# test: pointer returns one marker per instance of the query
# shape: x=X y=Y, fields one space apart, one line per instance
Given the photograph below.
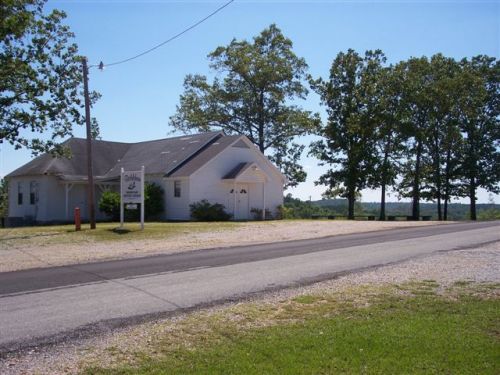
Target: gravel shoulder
x=474 y=265
x=38 y=253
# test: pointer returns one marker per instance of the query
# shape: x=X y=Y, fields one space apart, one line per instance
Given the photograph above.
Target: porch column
x=68 y=187
x=234 y=200
x=264 y=200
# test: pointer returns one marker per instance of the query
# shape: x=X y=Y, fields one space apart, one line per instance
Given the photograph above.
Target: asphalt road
x=50 y=304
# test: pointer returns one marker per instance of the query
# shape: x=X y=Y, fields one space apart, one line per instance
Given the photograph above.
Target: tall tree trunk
x=261 y=139
x=262 y=146
x=447 y=184
x=438 y=191
x=416 y=184
x=439 y=210
x=384 y=183
x=437 y=173
x=438 y=194
x=350 y=200
x=472 y=171
x=382 y=203
x=472 y=196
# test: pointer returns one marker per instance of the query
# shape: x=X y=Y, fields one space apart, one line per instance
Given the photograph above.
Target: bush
x=257 y=214
x=110 y=204
x=283 y=212
x=4 y=198
x=153 y=200
x=206 y=211
x=153 y=204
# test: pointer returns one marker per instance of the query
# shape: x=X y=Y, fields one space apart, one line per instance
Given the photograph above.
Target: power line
x=101 y=65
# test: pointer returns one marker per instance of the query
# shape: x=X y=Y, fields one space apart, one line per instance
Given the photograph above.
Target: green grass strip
x=418 y=334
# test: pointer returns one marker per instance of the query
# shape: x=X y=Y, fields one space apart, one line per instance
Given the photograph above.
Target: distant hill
x=456 y=211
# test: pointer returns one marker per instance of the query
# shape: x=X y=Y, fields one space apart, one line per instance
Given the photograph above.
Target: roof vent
x=185 y=138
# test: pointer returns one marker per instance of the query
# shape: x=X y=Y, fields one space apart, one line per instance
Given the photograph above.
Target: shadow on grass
x=120 y=230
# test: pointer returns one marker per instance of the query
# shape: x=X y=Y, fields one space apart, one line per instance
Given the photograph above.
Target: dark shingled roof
x=105 y=156
x=199 y=159
x=240 y=168
x=159 y=157
x=164 y=155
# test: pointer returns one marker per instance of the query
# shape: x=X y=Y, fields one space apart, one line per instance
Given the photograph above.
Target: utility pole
x=90 y=173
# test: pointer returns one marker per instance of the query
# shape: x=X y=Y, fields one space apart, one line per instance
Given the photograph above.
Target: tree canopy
x=427 y=127
x=253 y=94
x=348 y=145
x=40 y=77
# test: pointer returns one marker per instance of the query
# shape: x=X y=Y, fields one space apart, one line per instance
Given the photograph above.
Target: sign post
x=131 y=192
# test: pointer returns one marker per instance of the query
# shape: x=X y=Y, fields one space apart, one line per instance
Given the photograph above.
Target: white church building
x=223 y=169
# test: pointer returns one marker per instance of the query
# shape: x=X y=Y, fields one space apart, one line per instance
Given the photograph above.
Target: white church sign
x=132 y=192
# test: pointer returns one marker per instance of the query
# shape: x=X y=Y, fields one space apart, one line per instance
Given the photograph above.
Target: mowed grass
x=62 y=234
x=396 y=331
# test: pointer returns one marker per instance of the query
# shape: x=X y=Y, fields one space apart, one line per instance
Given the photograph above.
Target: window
x=177 y=189
x=33 y=192
x=19 y=193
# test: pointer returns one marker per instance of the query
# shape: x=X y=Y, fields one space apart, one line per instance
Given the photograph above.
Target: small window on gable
x=177 y=189
x=19 y=193
x=33 y=192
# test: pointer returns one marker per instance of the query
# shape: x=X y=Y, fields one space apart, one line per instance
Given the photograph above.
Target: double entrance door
x=239 y=194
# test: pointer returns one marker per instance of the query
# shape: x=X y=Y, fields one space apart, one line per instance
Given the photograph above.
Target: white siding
x=207 y=183
x=177 y=208
x=51 y=205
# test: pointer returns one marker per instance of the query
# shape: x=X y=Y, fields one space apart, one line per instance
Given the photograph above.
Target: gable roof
x=171 y=157
x=164 y=155
x=158 y=156
x=200 y=159
x=105 y=155
x=236 y=171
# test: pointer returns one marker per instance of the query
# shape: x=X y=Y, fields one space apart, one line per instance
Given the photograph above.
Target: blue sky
x=138 y=97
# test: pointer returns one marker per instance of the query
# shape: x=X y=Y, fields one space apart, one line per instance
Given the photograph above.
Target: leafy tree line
x=425 y=127
x=429 y=128
x=41 y=81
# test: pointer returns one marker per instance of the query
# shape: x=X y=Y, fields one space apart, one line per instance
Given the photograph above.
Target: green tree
x=479 y=113
x=110 y=204
x=252 y=95
x=389 y=133
x=153 y=200
x=442 y=132
x=4 y=198
x=348 y=146
x=153 y=203
x=416 y=103
x=40 y=77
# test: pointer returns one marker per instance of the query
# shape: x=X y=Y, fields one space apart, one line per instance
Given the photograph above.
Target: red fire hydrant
x=78 y=223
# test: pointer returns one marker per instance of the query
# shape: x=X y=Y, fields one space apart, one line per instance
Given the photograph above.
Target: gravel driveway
x=14 y=257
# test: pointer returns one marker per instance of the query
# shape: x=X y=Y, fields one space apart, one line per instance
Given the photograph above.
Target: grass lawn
x=61 y=234
x=397 y=330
